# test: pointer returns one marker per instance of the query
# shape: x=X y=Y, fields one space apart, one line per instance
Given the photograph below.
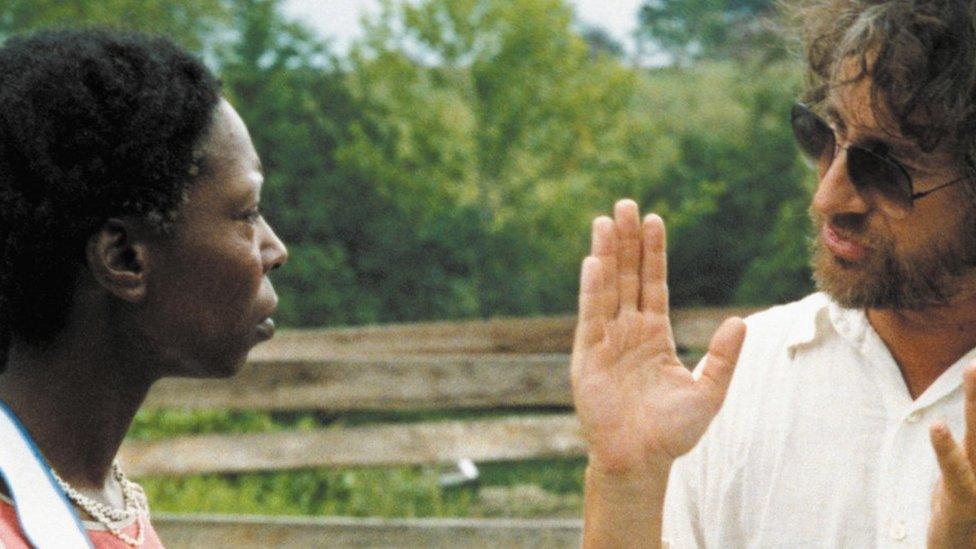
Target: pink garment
x=11 y=537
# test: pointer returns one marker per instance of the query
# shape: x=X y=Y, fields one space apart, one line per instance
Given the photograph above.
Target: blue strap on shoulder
x=45 y=516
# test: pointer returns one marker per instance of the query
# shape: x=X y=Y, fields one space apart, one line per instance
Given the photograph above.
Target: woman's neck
x=76 y=396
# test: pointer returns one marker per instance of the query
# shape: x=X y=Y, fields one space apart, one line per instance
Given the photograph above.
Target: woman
x=131 y=248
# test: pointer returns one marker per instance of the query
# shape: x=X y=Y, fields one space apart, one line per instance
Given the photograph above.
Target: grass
x=535 y=488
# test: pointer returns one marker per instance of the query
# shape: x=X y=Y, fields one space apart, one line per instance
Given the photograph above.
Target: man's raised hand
x=639 y=406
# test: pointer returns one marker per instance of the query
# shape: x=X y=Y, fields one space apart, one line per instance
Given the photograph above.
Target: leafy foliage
x=729 y=181
x=190 y=22
x=715 y=29
x=449 y=166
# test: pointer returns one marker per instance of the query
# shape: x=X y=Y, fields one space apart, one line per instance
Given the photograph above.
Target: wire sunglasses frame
x=867 y=169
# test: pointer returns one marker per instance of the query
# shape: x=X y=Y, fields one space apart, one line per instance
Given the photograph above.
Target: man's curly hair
x=919 y=54
x=94 y=124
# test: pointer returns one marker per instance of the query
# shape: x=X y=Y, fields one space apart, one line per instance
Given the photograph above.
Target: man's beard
x=930 y=277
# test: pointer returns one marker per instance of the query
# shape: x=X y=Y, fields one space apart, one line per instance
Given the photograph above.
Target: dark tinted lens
x=813 y=135
x=868 y=169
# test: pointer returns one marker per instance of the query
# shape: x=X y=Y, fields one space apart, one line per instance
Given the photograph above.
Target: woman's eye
x=252 y=216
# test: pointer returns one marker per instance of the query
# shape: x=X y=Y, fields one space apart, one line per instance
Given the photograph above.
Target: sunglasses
x=867 y=169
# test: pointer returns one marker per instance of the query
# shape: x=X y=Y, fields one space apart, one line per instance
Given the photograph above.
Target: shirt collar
x=850 y=324
x=821 y=317
x=824 y=317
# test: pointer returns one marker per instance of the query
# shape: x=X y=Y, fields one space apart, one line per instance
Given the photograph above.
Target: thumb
x=723 y=353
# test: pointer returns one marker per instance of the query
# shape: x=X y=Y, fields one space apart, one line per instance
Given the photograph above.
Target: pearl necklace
x=132 y=496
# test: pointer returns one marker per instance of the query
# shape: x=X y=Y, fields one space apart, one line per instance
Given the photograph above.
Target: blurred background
x=442 y=160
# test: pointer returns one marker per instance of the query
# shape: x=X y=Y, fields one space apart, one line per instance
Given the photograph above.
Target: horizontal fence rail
x=415 y=383
x=550 y=335
x=484 y=440
x=418 y=383
x=320 y=369
x=192 y=531
x=499 y=363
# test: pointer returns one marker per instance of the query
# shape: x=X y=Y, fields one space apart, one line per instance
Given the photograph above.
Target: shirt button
x=914 y=417
x=898 y=530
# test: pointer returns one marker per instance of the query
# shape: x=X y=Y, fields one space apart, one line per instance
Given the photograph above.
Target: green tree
x=531 y=110
x=284 y=81
x=689 y=29
x=729 y=184
x=601 y=43
x=450 y=164
x=361 y=177
x=192 y=23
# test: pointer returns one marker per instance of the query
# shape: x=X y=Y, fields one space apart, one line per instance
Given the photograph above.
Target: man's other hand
x=953 y=521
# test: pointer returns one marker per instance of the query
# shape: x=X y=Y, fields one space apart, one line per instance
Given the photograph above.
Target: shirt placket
x=906 y=459
x=902 y=517
x=893 y=526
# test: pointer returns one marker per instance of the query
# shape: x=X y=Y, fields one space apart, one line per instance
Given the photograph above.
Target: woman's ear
x=116 y=256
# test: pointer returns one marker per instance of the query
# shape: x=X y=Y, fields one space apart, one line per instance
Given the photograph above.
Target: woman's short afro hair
x=94 y=124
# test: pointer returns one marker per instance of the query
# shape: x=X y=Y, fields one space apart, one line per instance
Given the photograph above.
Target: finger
x=604 y=248
x=592 y=316
x=654 y=267
x=723 y=353
x=957 y=475
x=627 y=219
x=969 y=387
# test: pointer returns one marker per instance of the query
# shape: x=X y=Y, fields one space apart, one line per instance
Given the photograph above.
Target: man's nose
x=836 y=193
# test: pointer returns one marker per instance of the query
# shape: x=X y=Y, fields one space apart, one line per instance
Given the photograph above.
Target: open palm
x=637 y=403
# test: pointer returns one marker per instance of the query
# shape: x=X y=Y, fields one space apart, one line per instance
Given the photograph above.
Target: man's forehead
x=851 y=104
x=859 y=114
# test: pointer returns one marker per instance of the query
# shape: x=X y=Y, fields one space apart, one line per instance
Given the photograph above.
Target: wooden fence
x=263 y=532
x=503 y=363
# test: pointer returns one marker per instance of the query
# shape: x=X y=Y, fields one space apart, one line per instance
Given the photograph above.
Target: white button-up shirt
x=818 y=444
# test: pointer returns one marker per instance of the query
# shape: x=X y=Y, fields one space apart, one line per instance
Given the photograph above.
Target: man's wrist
x=624 y=508
x=952 y=535
x=633 y=486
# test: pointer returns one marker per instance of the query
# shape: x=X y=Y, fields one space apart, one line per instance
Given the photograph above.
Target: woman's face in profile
x=209 y=300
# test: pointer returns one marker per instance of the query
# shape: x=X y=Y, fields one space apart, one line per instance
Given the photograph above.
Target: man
x=835 y=431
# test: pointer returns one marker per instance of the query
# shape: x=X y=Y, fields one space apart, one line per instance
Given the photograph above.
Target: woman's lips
x=843 y=248
x=266 y=329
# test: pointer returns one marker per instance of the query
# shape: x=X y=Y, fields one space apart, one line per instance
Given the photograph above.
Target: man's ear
x=116 y=256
